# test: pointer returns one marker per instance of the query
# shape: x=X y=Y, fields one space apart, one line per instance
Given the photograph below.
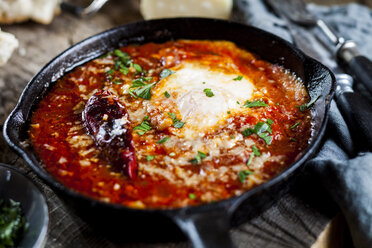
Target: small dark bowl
x=18 y=187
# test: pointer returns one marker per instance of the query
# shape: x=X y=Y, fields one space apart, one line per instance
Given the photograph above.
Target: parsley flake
x=295 y=125
x=165 y=73
x=238 y=78
x=255 y=104
x=163 y=140
x=137 y=67
x=198 y=158
x=309 y=104
x=208 y=92
x=166 y=94
x=262 y=129
x=256 y=152
x=176 y=122
x=141 y=89
x=143 y=127
x=150 y=157
x=192 y=196
x=250 y=159
x=117 y=81
x=244 y=174
x=109 y=72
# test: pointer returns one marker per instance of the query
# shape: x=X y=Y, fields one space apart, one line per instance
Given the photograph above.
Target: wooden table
x=296 y=220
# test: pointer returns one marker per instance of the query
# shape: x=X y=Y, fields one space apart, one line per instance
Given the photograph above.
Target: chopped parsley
x=293 y=139
x=166 y=94
x=277 y=104
x=137 y=67
x=12 y=223
x=232 y=137
x=163 y=140
x=203 y=83
x=198 y=158
x=165 y=73
x=109 y=72
x=256 y=151
x=141 y=89
x=250 y=159
x=117 y=81
x=269 y=121
x=262 y=129
x=150 y=157
x=192 y=196
x=295 y=125
x=143 y=127
x=124 y=70
x=255 y=104
x=244 y=174
x=238 y=78
x=229 y=112
x=208 y=92
x=123 y=56
x=309 y=104
x=176 y=122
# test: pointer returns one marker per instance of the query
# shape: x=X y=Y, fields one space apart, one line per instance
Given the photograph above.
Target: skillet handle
x=206 y=229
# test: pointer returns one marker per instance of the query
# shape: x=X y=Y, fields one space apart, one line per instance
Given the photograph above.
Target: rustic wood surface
x=296 y=220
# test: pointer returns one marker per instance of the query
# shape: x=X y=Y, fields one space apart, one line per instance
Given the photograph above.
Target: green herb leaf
x=248 y=131
x=293 y=139
x=262 y=129
x=238 y=78
x=12 y=223
x=137 y=67
x=142 y=89
x=309 y=104
x=172 y=154
x=176 y=122
x=269 y=121
x=295 y=125
x=244 y=174
x=250 y=159
x=208 y=92
x=124 y=70
x=143 y=127
x=165 y=73
x=192 y=196
x=163 y=140
x=123 y=56
x=198 y=158
x=256 y=151
x=150 y=157
x=255 y=104
x=117 y=81
x=166 y=94
x=109 y=72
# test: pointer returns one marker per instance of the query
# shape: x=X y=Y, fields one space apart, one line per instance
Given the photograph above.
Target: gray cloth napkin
x=347 y=179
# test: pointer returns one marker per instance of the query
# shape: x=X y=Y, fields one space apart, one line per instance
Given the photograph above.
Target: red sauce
x=69 y=153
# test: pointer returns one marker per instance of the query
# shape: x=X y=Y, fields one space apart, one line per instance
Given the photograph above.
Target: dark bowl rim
x=42 y=236
x=231 y=203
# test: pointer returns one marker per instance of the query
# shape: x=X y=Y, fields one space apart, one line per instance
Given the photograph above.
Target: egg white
x=189 y=101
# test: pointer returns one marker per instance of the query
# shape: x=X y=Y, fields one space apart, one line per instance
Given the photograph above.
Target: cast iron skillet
x=206 y=225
